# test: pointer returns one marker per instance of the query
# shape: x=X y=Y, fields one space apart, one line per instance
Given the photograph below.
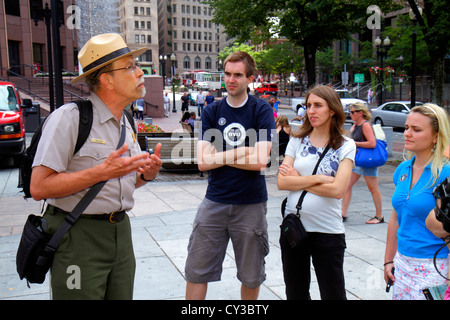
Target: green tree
x=311 y=25
x=435 y=26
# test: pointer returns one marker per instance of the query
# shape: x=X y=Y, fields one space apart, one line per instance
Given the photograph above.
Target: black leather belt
x=112 y=217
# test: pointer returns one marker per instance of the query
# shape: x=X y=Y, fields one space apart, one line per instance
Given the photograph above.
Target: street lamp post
x=382 y=50
x=163 y=60
x=57 y=21
x=413 y=18
x=173 y=58
x=401 y=78
x=46 y=14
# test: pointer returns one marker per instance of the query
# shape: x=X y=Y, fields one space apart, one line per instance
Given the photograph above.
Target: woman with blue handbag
x=364 y=137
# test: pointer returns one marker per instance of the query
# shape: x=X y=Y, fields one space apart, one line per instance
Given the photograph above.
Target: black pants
x=327 y=252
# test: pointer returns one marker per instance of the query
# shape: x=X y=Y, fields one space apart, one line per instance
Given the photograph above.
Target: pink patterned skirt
x=412 y=275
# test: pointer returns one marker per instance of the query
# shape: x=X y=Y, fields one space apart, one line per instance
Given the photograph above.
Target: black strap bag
x=37 y=247
x=292 y=228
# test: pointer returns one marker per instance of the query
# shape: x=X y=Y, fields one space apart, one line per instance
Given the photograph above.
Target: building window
x=197 y=63
x=149 y=25
x=174 y=22
x=149 y=39
x=142 y=24
x=208 y=63
x=12 y=7
x=142 y=39
x=186 y=63
x=148 y=11
x=136 y=24
x=136 y=10
x=136 y=38
x=147 y=56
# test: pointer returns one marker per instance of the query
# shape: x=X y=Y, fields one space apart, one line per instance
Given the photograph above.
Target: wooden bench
x=178 y=151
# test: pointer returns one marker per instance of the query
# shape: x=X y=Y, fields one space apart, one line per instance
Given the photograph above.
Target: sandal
x=378 y=220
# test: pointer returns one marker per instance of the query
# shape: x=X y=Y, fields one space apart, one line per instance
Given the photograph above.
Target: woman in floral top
x=321 y=208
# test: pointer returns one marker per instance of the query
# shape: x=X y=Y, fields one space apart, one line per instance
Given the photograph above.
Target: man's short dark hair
x=238 y=56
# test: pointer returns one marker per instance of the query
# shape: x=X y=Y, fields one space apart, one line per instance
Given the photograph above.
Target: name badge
x=101 y=141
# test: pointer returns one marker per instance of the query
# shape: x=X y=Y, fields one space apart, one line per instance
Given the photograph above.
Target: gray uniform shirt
x=56 y=148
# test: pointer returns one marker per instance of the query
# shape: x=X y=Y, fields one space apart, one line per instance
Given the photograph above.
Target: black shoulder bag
x=292 y=228
x=37 y=247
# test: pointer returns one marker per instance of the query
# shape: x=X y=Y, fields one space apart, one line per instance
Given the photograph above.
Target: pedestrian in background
x=200 y=100
x=166 y=105
x=284 y=131
x=184 y=102
x=100 y=242
x=235 y=203
x=410 y=246
x=321 y=208
x=364 y=137
x=369 y=95
x=140 y=107
x=209 y=99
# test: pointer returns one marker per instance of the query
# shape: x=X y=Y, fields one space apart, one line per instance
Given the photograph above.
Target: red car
x=269 y=88
x=12 y=129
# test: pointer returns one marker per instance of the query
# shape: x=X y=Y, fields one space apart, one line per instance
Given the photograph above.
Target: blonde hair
x=439 y=121
x=359 y=106
x=282 y=121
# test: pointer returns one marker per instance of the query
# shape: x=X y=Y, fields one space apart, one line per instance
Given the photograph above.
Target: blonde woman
x=410 y=246
x=364 y=137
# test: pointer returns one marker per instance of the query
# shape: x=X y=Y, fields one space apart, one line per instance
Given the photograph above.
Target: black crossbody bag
x=292 y=228
x=37 y=247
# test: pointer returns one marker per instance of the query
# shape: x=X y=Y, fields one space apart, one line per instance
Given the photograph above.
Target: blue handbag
x=372 y=157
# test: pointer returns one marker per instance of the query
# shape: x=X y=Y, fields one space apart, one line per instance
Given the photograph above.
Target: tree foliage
x=312 y=25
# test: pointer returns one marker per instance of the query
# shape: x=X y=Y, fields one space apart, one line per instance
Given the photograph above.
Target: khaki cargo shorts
x=217 y=223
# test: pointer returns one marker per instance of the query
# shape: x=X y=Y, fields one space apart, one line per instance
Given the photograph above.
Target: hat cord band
x=107 y=58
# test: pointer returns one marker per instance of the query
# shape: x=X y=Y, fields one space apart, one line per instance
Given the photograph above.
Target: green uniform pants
x=95 y=259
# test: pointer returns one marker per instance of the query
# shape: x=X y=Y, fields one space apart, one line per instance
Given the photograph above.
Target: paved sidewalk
x=162 y=220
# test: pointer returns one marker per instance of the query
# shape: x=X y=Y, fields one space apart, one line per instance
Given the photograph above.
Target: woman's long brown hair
x=337 y=121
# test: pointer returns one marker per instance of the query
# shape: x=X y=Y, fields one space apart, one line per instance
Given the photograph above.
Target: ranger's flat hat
x=102 y=50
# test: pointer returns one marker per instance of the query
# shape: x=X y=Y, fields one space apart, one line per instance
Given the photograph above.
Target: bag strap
x=300 y=201
x=71 y=218
x=85 y=123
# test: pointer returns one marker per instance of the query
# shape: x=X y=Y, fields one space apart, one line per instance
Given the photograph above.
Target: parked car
x=347 y=100
x=392 y=113
x=12 y=128
x=296 y=103
x=202 y=85
x=270 y=88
